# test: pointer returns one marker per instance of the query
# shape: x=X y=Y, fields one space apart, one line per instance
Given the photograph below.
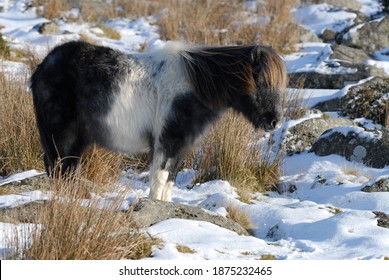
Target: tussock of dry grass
x=200 y=22
x=228 y=153
x=19 y=140
x=74 y=228
x=240 y=217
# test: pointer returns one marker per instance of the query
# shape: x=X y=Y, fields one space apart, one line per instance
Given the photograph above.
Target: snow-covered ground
x=322 y=219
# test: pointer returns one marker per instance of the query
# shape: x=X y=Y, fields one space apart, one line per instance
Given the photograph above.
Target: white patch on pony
x=158 y=183
x=167 y=191
x=145 y=98
x=131 y=114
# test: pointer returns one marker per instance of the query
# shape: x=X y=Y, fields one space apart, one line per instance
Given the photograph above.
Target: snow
x=326 y=217
x=314 y=57
x=323 y=16
x=20 y=176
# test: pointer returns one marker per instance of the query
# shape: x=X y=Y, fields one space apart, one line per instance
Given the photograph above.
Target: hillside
x=331 y=199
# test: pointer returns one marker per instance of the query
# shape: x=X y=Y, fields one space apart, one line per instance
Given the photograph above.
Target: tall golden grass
x=70 y=227
x=19 y=140
x=200 y=22
x=229 y=152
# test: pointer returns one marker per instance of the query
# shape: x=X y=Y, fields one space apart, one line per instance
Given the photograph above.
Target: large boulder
x=300 y=137
x=147 y=212
x=336 y=80
x=371 y=36
x=304 y=35
x=368 y=100
x=378 y=185
x=348 y=54
x=355 y=144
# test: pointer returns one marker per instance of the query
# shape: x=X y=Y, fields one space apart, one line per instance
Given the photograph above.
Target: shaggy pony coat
x=158 y=102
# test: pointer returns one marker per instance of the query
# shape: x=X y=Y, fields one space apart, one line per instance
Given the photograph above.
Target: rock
x=300 y=137
x=355 y=144
x=147 y=212
x=367 y=100
x=348 y=54
x=371 y=36
x=382 y=219
x=381 y=185
x=328 y=35
x=329 y=81
x=361 y=101
x=304 y=35
x=48 y=28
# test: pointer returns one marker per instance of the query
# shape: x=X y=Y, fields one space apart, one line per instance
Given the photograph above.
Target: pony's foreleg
x=158 y=177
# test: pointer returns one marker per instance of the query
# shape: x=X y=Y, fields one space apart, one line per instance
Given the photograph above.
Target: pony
x=158 y=102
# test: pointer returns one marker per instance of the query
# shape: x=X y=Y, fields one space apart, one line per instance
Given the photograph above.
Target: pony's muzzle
x=272 y=125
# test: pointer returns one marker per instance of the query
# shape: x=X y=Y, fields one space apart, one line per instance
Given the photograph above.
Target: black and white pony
x=158 y=102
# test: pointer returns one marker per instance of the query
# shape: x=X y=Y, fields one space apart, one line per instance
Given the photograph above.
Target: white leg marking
x=167 y=191
x=158 y=182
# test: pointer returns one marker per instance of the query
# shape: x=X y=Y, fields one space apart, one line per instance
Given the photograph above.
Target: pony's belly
x=127 y=139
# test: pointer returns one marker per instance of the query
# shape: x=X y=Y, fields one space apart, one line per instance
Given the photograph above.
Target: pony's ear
x=255 y=55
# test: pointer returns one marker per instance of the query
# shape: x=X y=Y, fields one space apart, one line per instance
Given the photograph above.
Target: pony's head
x=250 y=79
x=266 y=81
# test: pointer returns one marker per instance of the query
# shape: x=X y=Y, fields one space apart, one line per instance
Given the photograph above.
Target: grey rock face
x=148 y=212
x=347 y=54
x=48 y=28
x=300 y=137
x=382 y=219
x=356 y=145
x=371 y=36
x=338 y=80
x=381 y=185
x=367 y=100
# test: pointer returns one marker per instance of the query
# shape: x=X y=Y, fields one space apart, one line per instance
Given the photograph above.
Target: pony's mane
x=218 y=72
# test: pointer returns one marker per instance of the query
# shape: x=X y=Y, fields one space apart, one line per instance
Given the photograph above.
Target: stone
x=300 y=137
x=355 y=144
x=48 y=28
x=304 y=35
x=367 y=100
x=382 y=219
x=147 y=212
x=380 y=185
x=371 y=36
x=328 y=35
x=348 y=54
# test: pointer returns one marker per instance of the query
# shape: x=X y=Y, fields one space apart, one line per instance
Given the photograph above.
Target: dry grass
x=74 y=228
x=240 y=217
x=101 y=166
x=268 y=257
x=280 y=31
x=185 y=249
x=51 y=8
x=200 y=22
x=226 y=23
x=19 y=140
x=293 y=102
x=108 y=32
x=228 y=153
